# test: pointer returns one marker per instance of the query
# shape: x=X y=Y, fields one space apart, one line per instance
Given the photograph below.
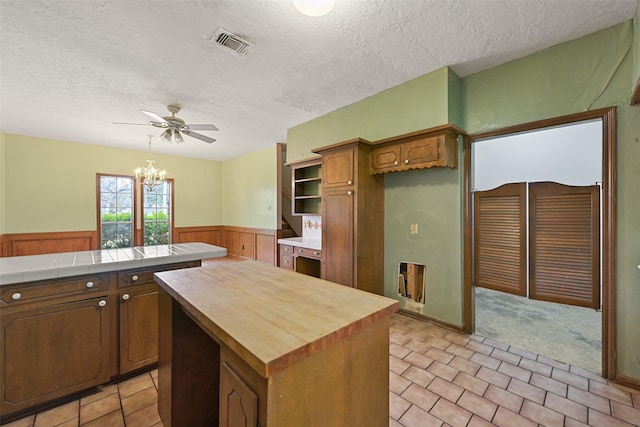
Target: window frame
x=138 y=214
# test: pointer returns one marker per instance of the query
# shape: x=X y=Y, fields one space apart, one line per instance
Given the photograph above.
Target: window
x=116 y=217
x=129 y=215
x=157 y=215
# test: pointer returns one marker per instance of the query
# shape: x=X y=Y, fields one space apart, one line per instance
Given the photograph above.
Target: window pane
x=156 y=215
x=116 y=212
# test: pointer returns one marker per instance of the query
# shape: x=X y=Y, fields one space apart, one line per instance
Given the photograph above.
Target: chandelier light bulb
x=314 y=7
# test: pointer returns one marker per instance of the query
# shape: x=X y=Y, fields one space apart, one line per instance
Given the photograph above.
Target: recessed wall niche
x=412 y=285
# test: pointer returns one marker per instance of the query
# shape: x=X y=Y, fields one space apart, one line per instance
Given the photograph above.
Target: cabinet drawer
x=286 y=261
x=286 y=249
x=56 y=287
x=144 y=276
x=309 y=253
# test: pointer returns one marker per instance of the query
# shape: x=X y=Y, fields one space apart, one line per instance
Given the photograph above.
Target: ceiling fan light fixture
x=178 y=137
x=166 y=135
x=314 y=7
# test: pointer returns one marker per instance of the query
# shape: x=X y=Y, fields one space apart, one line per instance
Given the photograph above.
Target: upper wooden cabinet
x=306 y=186
x=339 y=168
x=428 y=148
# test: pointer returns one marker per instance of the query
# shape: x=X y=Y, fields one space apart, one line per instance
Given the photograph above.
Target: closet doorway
x=539 y=238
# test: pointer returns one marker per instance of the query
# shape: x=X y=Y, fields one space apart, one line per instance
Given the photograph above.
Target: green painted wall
x=51 y=185
x=249 y=184
x=596 y=71
x=591 y=72
x=430 y=198
x=417 y=104
x=636 y=51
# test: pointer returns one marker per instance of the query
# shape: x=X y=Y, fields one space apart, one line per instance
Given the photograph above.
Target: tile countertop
x=315 y=244
x=29 y=268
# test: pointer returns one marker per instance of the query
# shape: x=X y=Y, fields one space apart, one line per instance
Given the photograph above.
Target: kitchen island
x=73 y=321
x=246 y=343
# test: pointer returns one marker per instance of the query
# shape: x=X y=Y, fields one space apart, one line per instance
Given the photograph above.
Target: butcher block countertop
x=269 y=316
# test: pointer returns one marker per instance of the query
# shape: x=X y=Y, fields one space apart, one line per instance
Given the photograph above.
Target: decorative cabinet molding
x=428 y=148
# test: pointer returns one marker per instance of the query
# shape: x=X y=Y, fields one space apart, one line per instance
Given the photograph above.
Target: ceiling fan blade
x=136 y=124
x=154 y=116
x=202 y=127
x=199 y=136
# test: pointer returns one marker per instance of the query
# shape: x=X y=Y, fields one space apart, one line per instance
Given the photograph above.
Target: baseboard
x=431 y=320
x=628 y=381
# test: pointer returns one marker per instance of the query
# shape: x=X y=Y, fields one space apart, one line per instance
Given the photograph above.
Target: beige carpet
x=564 y=333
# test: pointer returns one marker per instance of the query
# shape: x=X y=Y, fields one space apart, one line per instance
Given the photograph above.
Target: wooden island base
x=252 y=344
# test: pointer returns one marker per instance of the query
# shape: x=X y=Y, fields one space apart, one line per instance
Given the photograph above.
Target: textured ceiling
x=69 y=68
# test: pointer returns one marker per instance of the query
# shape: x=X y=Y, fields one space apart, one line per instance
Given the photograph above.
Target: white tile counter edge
x=29 y=268
x=315 y=244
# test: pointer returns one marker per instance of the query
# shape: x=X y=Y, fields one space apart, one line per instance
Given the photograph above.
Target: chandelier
x=149 y=175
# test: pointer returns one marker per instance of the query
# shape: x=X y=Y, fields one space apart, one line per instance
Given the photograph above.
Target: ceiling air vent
x=231 y=41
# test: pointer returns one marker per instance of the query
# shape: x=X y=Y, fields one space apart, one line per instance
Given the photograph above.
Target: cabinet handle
x=315 y=252
x=349 y=193
x=134 y=277
x=349 y=182
x=89 y=285
x=406 y=162
x=395 y=163
x=16 y=296
x=299 y=250
x=125 y=297
x=102 y=303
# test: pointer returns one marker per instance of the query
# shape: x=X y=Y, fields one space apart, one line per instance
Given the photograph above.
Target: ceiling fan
x=174 y=127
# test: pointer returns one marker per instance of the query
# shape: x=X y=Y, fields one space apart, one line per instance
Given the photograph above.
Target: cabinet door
x=424 y=152
x=52 y=351
x=383 y=158
x=338 y=169
x=337 y=236
x=238 y=403
x=138 y=327
x=245 y=244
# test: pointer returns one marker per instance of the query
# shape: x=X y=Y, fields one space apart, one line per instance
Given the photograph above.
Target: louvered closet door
x=564 y=244
x=500 y=239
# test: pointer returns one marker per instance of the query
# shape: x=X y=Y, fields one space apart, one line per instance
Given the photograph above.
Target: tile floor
x=437 y=378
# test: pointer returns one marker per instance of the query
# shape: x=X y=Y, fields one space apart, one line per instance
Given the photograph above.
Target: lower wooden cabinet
x=238 y=403
x=52 y=350
x=63 y=336
x=138 y=327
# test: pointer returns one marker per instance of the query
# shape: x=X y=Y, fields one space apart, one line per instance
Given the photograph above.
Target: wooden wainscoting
x=207 y=234
x=19 y=244
x=251 y=243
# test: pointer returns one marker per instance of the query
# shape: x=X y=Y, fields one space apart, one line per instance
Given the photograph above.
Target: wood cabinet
x=352 y=217
x=434 y=147
x=138 y=314
x=286 y=257
x=63 y=336
x=52 y=348
x=307 y=352
x=306 y=186
x=300 y=259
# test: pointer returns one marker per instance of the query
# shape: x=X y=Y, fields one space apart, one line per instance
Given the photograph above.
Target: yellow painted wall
x=249 y=185
x=51 y=185
x=2 y=186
